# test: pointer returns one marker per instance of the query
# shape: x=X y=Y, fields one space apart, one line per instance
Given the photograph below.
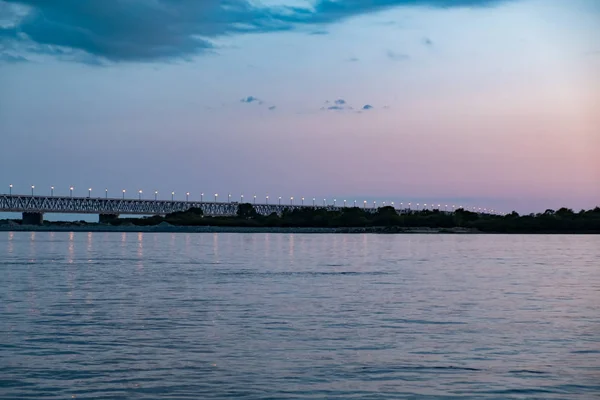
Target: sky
x=486 y=103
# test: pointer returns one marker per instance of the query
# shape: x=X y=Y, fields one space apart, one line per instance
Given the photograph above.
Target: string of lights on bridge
x=302 y=201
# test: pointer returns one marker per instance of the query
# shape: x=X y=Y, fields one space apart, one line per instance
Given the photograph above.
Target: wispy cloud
x=427 y=42
x=151 y=30
x=12 y=58
x=392 y=55
x=258 y=101
x=343 y=105
x=336 y=105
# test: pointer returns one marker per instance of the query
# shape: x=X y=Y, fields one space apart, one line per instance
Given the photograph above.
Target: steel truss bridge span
x=36 y=206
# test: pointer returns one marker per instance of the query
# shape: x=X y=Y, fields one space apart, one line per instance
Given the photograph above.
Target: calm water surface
x=277 y=316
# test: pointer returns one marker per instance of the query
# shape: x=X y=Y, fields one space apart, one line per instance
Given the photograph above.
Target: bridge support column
x=33 y=218
x=107 y=218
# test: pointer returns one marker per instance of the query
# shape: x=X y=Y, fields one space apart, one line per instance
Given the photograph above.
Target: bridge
x=34 y=207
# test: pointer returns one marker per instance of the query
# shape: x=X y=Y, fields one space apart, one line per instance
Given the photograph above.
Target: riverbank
x=165 y=228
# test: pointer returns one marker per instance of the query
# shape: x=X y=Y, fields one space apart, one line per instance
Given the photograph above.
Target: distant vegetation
x=563 y=220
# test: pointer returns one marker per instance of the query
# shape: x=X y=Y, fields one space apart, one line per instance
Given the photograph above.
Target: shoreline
x=228 y=229
x=285 y=230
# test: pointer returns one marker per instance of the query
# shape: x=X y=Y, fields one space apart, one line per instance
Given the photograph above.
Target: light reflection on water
x=147 y=315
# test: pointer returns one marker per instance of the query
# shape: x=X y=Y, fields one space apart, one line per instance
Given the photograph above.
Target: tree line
x=563 y=220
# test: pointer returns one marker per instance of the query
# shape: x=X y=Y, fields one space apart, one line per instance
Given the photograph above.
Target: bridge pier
x=33 y=218
x=107 y=218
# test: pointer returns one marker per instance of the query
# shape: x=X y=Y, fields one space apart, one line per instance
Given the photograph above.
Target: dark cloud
x=150 y=30
x=340 y=102
x=367 y=107
x=336 y=108
x=272 y=108
x=392 y=55
x=427 y=42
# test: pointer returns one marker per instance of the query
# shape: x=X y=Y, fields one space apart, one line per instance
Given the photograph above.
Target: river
x=298 y=316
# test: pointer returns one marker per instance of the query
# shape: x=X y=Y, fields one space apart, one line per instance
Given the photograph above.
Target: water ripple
x=259 y=316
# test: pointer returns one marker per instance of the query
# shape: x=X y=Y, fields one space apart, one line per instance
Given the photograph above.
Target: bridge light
x=292 y=200
x=334 y=202
x=267 y=199
x=32 y=187
x=303 y=201
x=279 y=200
x=123 y=193
x=187 y=196
x=229 y=197
x=90 y=192
x=242 y=198
x=254 y=199
x=10 y=189
x=71 y=191
x=140 y=194
x=201 y=197
x=216 y=196
x=314 y=201
x=106 y=193
x=344 y=203
x=172 y=195
x=51 y=190
x=155 y=195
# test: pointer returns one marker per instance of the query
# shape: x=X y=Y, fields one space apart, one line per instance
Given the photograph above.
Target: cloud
x=427 y=42
x=158 y=30
x=392 y=55
x=353 y=59
x=256 y=100
x=12 y=58
x=251 y=99
x=336 y=105
x=367 y=107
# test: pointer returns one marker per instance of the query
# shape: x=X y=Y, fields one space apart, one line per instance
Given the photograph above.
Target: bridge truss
x=116 y=206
